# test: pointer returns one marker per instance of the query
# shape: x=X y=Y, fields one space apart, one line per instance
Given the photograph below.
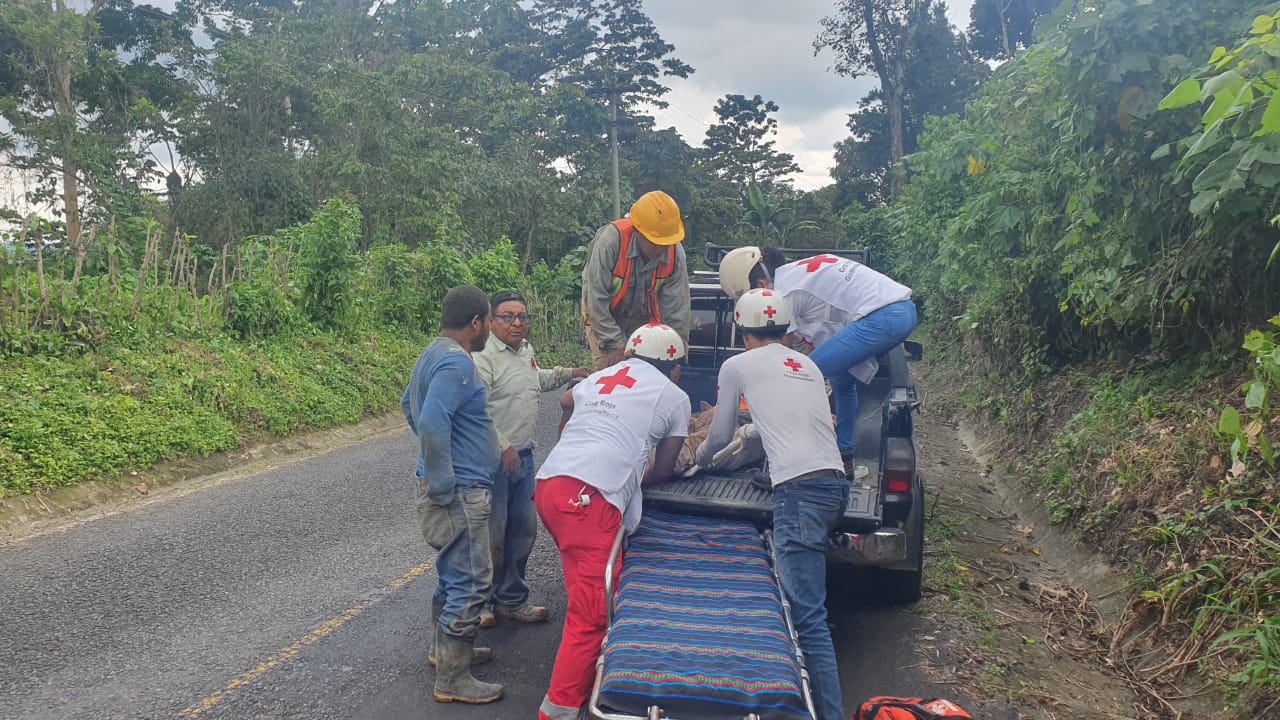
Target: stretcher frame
x=656 y=712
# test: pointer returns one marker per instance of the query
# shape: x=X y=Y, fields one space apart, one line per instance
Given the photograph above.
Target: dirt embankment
x=1026 y=616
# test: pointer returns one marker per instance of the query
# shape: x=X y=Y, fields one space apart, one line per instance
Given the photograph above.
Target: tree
x=771 y=216
x=49 y=50
x=610 y=48
x=735 y=147
x=661 y=160
x=872 y=36
x=940 y=75
x=80 y=118
x=517 y=194
x=999 y=28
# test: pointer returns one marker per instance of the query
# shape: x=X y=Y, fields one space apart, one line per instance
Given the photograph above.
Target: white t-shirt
x=787 y=398
x=827 y=292
x=619 y=415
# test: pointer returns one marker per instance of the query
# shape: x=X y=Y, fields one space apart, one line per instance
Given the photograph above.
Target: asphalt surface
x=302 y=591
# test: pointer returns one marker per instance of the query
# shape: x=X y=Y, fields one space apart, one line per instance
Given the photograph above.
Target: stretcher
x=697 y=627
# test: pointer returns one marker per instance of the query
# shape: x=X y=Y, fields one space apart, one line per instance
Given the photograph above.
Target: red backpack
x=898 y=708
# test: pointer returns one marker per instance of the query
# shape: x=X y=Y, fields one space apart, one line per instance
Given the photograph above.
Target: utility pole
x=613 y=140
x=614 y=97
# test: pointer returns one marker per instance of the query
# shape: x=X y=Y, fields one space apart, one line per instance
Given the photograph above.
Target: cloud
x=763 y=47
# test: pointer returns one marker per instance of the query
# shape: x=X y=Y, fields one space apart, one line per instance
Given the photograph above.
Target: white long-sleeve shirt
x=788 y=401
x=827 y=292
x=513 y=381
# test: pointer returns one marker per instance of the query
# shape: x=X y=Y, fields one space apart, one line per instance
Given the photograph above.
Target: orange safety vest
x=622 y=271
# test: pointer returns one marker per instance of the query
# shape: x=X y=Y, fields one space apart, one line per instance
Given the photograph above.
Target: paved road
x=301 y=591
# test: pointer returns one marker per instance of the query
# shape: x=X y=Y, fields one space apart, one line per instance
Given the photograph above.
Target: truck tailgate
x=734 y=495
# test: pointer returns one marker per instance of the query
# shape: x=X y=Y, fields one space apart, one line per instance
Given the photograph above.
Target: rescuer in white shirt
x=589 y=487
x=787 y=398
x=843 y=314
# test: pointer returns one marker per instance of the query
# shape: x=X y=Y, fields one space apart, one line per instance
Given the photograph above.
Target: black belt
x=819 y=475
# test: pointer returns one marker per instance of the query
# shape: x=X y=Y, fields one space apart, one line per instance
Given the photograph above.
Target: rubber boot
x=479 y=655
x=454 y=682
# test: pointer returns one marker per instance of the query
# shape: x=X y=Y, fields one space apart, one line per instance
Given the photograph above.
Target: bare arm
x=664 y=463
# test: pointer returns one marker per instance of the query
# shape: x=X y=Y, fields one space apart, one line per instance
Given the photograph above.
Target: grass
x=1133 y=458
x=93 y=416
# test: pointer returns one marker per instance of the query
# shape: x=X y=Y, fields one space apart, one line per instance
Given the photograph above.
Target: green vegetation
x=1093 y=247
x=112 y=373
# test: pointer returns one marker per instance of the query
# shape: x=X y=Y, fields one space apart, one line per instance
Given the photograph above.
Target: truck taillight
x=899 y=467
x=897 y=481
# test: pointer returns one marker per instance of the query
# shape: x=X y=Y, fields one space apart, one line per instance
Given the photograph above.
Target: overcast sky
x=764 y=47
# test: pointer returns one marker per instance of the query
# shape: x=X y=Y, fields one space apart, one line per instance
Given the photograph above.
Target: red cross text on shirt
x=816 y=262
x=610 y=383
x=791 y=363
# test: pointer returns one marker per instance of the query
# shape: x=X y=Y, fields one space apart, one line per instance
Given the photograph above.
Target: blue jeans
x=513 y=528
x=460 y=532
x=866 y=337
x=804 y=514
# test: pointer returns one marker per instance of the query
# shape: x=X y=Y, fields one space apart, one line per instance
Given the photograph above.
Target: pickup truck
x=882 y=530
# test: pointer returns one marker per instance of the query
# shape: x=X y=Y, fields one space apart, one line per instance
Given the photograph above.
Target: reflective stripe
x=551 y=711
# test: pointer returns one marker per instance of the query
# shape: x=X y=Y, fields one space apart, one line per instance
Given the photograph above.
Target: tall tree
x=872 y=37
x=999 y=28
x=610 y=48
x=940 y=75
x=79 y=116
x=737 y=149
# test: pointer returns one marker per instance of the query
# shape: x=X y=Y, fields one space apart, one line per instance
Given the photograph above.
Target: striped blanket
x=698 y=629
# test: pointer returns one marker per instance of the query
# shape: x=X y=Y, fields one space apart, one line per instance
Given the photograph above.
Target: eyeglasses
x=509 y=318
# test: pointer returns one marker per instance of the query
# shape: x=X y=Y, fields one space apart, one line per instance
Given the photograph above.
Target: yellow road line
x=289 y=652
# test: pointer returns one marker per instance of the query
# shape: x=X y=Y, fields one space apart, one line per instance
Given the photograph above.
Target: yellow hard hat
x=657 y=217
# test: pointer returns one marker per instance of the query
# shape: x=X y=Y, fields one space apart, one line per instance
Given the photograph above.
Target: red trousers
x=584 y=536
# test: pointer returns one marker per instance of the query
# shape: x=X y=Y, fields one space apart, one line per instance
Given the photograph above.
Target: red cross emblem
x=635 y=341
x=814 y=263
x=671 y=352
x=737 y=315
x=791 y=363
x=768 y=310
x=609 y=384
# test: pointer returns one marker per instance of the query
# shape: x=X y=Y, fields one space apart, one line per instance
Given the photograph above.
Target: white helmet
x=656 y=342
x=735 y=270
x=762 y=309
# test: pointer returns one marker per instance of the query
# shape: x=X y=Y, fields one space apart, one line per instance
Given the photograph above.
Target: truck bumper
x=885 y=548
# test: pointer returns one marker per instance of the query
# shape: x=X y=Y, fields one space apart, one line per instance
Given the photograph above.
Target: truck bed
x=734 y=495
